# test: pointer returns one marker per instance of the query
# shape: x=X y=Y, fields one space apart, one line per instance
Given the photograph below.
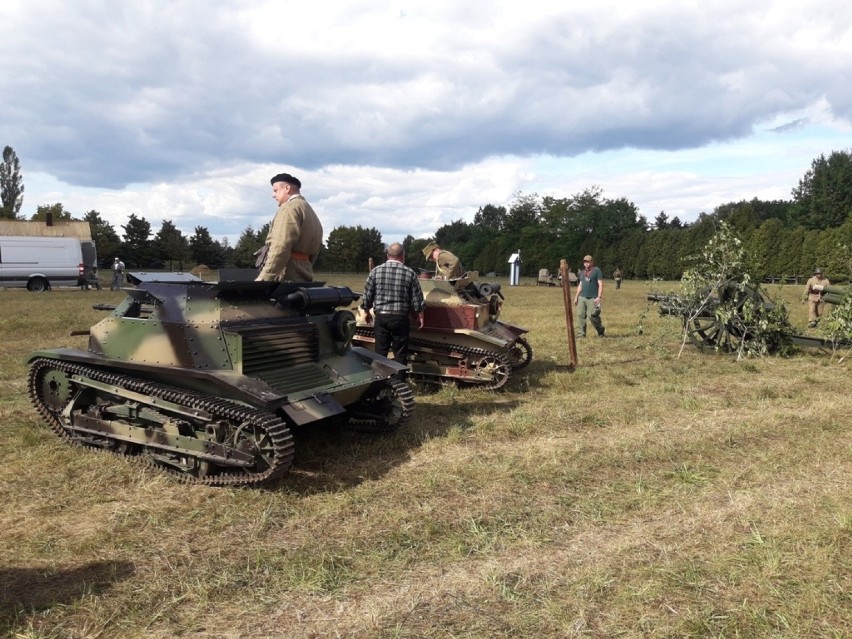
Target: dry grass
x=643 y=495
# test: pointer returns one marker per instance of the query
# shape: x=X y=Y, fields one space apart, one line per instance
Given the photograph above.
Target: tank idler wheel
x=255 y=440
x=54 y=388
x=520 y=354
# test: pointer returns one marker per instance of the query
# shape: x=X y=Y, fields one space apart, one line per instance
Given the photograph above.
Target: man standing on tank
x=589 y=297
x=295 y=235
x=393 y=291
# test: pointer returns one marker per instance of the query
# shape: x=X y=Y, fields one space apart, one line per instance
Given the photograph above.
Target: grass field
x=642 y=495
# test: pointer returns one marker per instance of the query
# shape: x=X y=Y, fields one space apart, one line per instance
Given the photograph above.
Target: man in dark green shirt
x=589 y=297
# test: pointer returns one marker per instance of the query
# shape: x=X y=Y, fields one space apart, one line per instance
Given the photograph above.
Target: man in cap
x=295 y=235
x=447 y=265
x=589 y=297
x=814 y=290
x=392 y=290
x=117 y=274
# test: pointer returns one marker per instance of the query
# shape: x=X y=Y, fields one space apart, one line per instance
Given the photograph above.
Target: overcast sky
x=406 y=115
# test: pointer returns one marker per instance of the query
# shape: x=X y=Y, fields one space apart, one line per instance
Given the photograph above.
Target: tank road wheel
x=519 y=354
x=384 y=410
x=497 y=367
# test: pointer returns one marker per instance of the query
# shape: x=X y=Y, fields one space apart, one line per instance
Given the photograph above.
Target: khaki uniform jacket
x=448 y=266
x=815 y=296
x=295 y=227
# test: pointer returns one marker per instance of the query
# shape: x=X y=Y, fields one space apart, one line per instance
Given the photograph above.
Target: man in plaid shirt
x=392 y=290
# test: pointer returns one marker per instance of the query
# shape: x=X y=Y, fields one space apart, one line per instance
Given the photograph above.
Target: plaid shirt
x=393 y=287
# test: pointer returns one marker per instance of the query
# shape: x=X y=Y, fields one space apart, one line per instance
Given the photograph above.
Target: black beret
x=286 y=177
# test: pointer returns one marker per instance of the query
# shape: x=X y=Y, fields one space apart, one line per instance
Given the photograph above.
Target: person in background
x=447 y=265
x=295 y=235
x=117 y=274
x=392 y=291
x=589 y=297
x=618 y=276
x=814 y=290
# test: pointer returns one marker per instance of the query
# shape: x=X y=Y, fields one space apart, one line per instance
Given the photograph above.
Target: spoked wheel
x=255 y=440
x=519 y=354
x=495 y=366
x=709 y=333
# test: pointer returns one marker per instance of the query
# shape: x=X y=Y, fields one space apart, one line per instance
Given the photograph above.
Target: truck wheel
x=38 y=285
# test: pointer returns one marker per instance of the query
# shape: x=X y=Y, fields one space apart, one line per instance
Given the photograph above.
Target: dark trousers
x=391 y=332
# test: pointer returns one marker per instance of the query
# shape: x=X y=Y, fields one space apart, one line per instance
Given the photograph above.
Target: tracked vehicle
x=463 y=340
x=206 y=379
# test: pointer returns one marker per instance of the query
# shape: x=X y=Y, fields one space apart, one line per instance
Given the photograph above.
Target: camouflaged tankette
x=206 y=379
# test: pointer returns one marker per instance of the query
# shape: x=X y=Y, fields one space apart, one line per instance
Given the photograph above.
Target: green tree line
x=784 y=237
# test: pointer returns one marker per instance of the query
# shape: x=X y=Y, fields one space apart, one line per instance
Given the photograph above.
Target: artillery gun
x=462 y=340
x=707 y=331
x=206 y=379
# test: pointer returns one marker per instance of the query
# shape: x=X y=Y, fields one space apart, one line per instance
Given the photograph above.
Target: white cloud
x=404 y=116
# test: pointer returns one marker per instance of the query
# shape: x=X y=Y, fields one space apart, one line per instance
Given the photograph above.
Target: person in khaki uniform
x=447 y=265
x=295 y=236
x=814 y=290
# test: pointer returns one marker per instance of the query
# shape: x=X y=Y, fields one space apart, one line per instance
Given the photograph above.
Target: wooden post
x=569 y=315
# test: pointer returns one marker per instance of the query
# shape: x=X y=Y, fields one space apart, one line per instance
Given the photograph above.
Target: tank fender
x=382 y=365
x=249 y=390
x=312 y=409
x=514 y=328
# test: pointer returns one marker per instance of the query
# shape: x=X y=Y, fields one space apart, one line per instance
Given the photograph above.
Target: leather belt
x=391 y=313
x=295 y=255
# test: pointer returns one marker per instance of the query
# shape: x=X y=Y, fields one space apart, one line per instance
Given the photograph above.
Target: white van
x=41 y=262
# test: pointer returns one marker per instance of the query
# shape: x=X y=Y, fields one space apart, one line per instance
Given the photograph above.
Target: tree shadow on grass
x=25 y=591
x=333 y=458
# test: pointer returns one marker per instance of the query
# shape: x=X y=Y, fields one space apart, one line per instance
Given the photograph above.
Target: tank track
x=502 y=360
x=275 y=431
x=385 y=411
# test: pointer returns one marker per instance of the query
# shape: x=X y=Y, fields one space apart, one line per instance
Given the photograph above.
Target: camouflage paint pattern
x=231 y=337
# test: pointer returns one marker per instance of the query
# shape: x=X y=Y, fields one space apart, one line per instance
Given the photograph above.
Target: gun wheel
x=710 y=333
